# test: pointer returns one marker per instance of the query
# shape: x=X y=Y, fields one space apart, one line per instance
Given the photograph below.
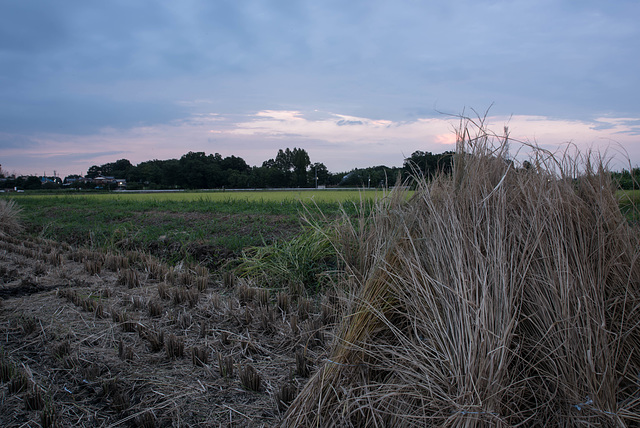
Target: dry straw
x=498 y=295
x=10 y=217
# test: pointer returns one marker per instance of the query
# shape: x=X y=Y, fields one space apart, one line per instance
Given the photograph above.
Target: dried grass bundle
x=496 y=295
x=10 y=217
x=250 y=378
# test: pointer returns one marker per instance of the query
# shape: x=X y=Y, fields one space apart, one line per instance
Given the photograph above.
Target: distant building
x=52 y=180
x=105 y=181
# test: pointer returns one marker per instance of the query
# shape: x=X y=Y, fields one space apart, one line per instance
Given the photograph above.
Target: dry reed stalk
x=129 y=277
x=185 y=320
x=146 y=420
x=302 y=366
x=48 y=417
x=156 y=340
x=180 y=295
x=187 y=278
x=193 y=297
x=204 y=328
x=216 y=301
x=202 y=271
x=55 y=258
x=495 y=296
x=155 y=309
x=305 y=306
x=282 y=300
x=138 y=302
x=19 y=382
x=246 y=293
x=155 y=268
x=250 y=378
x=34 y=399
x=163 y=291
x=125 y=352
x=267 y=320
x=172 y=276
x=199 y=356
x=202 y=282
x=115 y=262
x=10 y=217
x=93 y=267
x=228 y=279
x=122 y=318
x=174 y=347
x=39 y=269
x=285 y=395
x=293 y=321
x=6 y=368
x=225 y=365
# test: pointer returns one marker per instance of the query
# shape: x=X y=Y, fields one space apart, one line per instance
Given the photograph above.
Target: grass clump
x=250 y=378
x=10 y=217
x=497 y=295
x=296 y=265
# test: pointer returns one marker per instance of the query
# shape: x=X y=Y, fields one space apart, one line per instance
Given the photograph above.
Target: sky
x=355 y=83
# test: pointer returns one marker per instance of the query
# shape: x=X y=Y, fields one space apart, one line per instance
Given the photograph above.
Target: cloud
x=80 y=114
x=246 y=78
x=349 y=122
x=368 y=59
x=619 y=125
x=258 y=137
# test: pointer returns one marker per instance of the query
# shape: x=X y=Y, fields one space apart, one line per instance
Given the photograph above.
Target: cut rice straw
x=498 y=295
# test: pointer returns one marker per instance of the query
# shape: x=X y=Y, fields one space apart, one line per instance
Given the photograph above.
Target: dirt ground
x=104 y=340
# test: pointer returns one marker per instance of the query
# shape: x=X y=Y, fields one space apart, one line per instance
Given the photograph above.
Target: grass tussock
x=10 y=217
x=498 y=295
x=296 y=265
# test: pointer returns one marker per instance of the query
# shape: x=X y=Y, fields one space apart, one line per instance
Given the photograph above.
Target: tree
x=120 y=168
x=377 y=176
x=195 y=169
x=283 y=160
x=277 y=171
x=318 y=174
x=300 y=161
x=94 y=171
x=428 y=163
x=234 y=163
x=32 y=183
x=292 y=165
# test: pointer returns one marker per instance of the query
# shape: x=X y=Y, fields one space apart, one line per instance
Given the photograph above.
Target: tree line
x=198 y=170
x=289 y=168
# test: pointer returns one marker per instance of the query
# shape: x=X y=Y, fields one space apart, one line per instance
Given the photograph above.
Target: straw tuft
x=496 y=295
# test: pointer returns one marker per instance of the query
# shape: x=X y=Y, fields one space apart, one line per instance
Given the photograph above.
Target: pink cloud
x=340 y=141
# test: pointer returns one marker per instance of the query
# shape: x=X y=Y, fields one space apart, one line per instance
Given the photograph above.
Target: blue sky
x=356 y=83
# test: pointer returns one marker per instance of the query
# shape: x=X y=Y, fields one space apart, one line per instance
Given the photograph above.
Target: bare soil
x=106 y=340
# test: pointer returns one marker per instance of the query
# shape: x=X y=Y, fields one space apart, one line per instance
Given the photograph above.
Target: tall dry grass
x=496 y=296
x=10 y=217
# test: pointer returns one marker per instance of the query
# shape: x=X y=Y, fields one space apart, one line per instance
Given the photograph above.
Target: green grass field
x=209 y=227
x=264 y=196
x=630 y=204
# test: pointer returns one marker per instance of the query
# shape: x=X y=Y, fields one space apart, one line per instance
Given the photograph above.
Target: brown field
x=96 y=339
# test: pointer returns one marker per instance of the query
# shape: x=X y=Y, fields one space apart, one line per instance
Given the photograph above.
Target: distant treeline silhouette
x=197 y=170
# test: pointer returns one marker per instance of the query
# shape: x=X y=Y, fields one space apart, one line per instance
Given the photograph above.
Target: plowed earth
x=103 y=340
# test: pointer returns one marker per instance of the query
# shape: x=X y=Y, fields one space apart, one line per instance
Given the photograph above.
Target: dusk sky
x=355 y=83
